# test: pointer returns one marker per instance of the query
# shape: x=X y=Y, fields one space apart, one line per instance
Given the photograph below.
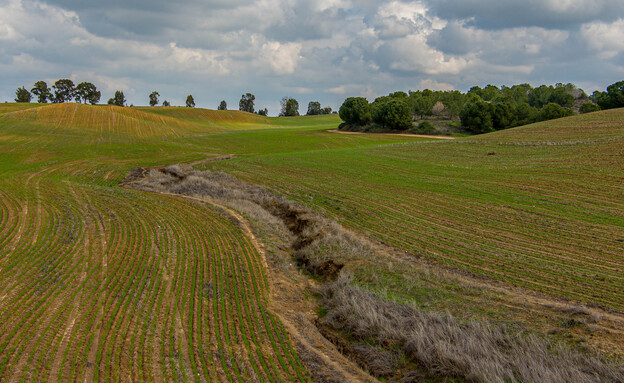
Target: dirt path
x=394 y=134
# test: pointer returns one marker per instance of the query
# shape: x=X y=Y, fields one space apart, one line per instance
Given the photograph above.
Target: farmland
x=103 y=283
x=540 y=207
x=108 y=284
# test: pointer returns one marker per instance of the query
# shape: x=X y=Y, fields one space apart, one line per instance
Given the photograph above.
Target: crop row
x=111 y=285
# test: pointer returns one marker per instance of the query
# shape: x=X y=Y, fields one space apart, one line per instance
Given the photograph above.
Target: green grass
x=539 y=207
x=98 y=280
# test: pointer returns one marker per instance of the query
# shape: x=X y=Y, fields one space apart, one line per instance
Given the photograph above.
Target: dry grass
x=441 y=345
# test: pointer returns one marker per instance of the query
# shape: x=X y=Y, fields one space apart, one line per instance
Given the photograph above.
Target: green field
x=102 y=283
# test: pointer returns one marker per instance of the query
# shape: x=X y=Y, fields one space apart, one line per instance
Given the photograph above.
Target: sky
x=325 y=50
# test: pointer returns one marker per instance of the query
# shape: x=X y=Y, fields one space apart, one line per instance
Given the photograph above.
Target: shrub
x=551 y=111
x=424 y=127
x=588 y=107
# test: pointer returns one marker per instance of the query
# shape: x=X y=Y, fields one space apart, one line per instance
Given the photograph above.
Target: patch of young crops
x=544 y=212
x=101 y=283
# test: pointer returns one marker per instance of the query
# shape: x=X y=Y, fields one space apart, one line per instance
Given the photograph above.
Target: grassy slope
x=106 y=283
x=540 y=207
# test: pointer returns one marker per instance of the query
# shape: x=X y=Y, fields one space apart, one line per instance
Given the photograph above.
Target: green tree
x=602 y=99
x=392 y=113
x=222 y=105
x=263 y=112
x=398 y=94
x=355 y=110
x=87 y=92
x=616 y=95
x=153 y=98
x=538 y=97
x=490 y=92
x=552 y=110
x=118 y=100
x=326 y=110
x=422 y=102
x=292 y=107
x=560 y=96
x=41 y=90
x=22 y=95
x=503 y=115
x=190 y=102
x=246 y=103
x=314 y=108
x=525 y=114
x=477 y=117
x=588 y=107
x=63 y=90
x=166 y=103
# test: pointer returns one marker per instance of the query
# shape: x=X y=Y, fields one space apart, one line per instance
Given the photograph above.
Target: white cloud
x=605 y=38
x=282 y=58
x=326 y=50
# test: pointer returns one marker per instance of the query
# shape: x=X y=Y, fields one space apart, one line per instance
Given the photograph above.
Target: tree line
x=480 y=110
x=64 y=90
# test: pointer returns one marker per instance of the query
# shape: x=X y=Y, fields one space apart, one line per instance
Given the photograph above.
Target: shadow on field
x=395 y=342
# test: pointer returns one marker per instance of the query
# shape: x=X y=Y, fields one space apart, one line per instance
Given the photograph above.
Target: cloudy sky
x=323 y=50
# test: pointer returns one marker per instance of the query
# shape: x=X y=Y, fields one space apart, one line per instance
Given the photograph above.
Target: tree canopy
x=63 y=90
x=222 y=105
x=22 y=95
x=190 y=102
x=87 y=92
x=153 y=98
x=41 y=90
x=355 y=110
x=314 y=108
x=246 y=103
x=119 y=99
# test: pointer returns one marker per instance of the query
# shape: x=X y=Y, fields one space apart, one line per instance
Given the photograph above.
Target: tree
x=503 y=115
x=392 y=113
x=560 y=96
x=153 y=98
x=119 y=99
x=355 y=110
x=538 y=97
x=292 y=107
x=246 y=103
x=525 y=114
x=588 y=107
x=551 y=111
x=490 y=92
x=87 y=92
x=166 y=103
x=22 y=95
x=615 y=92
x=326 y=110
x=223 y=105
x=41 y=90
x=190 y=102
x=422 y=102
x=477 y=117
x=263 y=112
x=63 y=90
x=314 y=108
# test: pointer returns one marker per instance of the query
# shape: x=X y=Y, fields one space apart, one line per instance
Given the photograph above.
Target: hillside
x=541 y=206
x=104 y=283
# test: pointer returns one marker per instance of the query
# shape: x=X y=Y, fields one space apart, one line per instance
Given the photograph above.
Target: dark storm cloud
x=549 y=14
